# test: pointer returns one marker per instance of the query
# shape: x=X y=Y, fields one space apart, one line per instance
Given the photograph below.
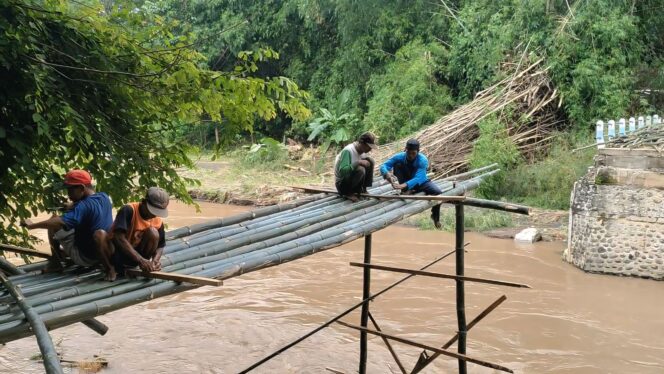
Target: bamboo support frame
x=425 y=360
x=458 y=356
x=340 y=315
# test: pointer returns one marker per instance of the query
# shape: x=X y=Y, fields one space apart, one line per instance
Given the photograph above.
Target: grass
x=475 y=220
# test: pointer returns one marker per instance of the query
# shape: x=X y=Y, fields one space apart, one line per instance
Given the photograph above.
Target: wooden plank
x=433 y=349
x=385 y=197
x=201 y=281
x=24 y=251
x=438 y=275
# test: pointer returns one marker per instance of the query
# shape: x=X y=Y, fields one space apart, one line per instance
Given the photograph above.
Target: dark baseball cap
x=157 y=201
x=413 y=144
x=368 y=139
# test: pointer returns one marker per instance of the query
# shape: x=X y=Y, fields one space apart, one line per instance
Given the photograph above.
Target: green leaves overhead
x=101 y=89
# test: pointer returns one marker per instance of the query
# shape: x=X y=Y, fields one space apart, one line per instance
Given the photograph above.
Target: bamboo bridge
x=32 y=301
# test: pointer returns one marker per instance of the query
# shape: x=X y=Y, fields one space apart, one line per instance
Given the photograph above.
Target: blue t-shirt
x=89 y=214
x=416 y=170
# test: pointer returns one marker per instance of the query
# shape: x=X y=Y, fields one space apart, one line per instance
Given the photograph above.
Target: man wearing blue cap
x=407 y=171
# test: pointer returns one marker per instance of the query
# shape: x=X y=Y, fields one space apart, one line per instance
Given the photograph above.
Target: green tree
x=408 y=95
x=84 y=90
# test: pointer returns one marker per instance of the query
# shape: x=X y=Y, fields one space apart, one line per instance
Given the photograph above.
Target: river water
x=569 y=322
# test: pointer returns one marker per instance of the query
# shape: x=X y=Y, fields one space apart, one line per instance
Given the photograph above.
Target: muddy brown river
x=569 y=322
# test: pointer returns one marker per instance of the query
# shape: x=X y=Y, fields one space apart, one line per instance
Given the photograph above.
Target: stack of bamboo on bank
x=218 y=249
x=525 y=102
x=646 y=137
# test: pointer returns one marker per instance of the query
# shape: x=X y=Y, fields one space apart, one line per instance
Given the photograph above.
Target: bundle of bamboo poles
x=526 y=101
x=646 y=137
x=217 y=249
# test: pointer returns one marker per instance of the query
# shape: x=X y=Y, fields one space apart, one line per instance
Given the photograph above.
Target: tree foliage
x=86 y=89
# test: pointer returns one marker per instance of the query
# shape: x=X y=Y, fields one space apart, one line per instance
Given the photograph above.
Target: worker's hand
x=388 y=176
x=156 y=264
x=25 y=223
x=146 y=265
x=69 y=205
x=401 y=186
x=364 y=163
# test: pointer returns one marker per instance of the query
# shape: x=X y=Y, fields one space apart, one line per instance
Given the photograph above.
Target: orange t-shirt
x=134 y=232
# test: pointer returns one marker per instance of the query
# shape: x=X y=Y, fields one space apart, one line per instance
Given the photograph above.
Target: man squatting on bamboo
x=407 y=171
x=353 y=168
x=137 y=237
x=81 y=232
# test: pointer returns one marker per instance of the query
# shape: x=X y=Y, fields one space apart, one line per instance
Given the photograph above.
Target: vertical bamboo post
x=460 y=292
x=364 y=318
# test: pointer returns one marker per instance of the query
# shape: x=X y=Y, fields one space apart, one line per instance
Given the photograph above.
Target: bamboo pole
x=388 y=345
x=497 y=205
x=460 y=291
x=46 y=347
x=385 y=197
x=364 y=314
x=23 y=250
x=438 y=275
x=199 y=281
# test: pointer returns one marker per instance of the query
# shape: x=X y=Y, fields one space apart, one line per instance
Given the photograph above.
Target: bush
x=268 y=153
x=494 y=145
x=548 y=183
x=407 y=96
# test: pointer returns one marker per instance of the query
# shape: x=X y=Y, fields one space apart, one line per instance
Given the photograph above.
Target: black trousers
x=358 y=180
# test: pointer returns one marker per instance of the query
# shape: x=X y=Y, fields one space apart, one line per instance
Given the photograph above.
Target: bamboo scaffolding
x=63 y=299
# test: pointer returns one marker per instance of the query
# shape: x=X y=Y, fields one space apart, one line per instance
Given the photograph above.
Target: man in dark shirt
x=137 y=235
x=81 y=232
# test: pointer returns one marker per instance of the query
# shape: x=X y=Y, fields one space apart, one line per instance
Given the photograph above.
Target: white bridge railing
x=624 y=127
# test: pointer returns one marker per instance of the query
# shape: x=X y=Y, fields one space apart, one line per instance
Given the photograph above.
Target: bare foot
x=111 y=275
x=352 y=198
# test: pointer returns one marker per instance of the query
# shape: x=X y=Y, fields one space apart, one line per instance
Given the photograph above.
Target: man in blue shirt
x=409 y=168
x=81 y=232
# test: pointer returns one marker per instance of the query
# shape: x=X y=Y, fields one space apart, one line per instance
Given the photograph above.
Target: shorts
x=66 y=240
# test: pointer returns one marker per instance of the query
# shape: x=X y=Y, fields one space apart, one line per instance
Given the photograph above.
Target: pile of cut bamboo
x=218 y=249
x=525 y=100
x=646 y=137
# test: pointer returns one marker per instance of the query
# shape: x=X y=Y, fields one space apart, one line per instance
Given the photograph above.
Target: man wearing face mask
x=407 y=171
